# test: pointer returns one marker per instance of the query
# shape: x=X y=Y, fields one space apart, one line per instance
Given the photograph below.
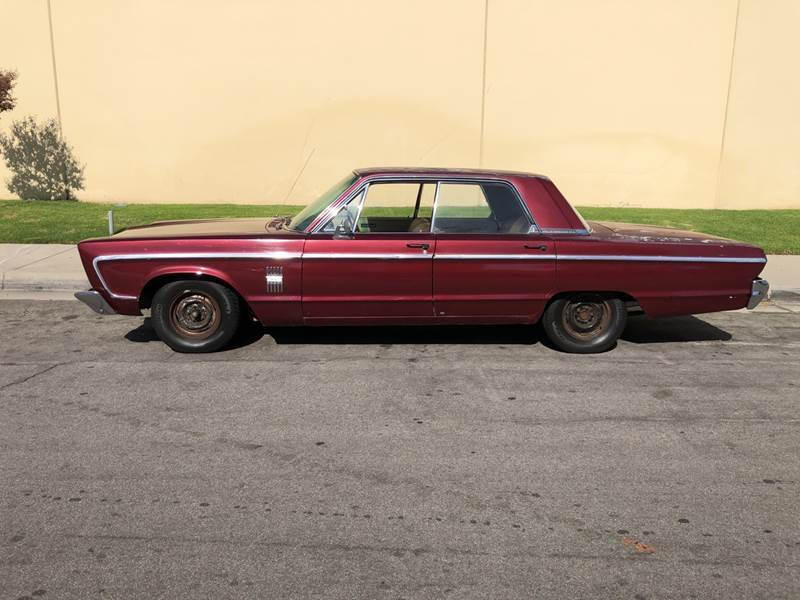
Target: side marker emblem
x=274 y=277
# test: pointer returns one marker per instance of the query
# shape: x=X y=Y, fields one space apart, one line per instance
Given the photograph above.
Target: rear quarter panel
x=673 y=283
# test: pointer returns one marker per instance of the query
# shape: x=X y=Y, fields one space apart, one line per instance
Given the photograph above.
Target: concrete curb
x=792 y=295
x=43 y=283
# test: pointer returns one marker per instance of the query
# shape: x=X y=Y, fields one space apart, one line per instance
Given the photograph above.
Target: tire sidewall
x=229 y=318
x=553 y=326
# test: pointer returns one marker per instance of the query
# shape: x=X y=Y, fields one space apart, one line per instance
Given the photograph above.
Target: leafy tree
x=41 y=161
x=7 y=81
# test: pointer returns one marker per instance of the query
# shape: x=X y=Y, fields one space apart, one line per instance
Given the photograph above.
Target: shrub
x=7 y=81
x=41 y=161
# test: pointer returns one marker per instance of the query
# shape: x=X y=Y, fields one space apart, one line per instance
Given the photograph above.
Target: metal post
x=111 y=222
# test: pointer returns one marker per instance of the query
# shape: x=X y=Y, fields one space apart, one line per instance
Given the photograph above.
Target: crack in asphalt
x=33 y=376
x=396 y=550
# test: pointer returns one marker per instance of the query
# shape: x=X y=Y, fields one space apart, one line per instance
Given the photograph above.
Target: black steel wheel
x=195 y=316
x=585 y=323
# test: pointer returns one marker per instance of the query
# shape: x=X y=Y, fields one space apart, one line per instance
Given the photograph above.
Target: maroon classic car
x=418 y=247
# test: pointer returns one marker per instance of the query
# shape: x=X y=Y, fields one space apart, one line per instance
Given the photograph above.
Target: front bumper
x=95 y=301
x=758 y=292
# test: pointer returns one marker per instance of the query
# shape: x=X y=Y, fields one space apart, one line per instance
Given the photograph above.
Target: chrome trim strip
x=365 y=255
x=557 y=231
x=648 y=258
x=495 y=256
x=360 y=208
x=435 y=204
x=284 y=255
x=333 y=209
x=277 y=255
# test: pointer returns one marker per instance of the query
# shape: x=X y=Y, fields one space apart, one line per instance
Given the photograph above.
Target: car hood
x=653 y=233
x=205 y=228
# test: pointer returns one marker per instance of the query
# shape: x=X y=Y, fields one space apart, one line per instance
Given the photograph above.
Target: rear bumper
x=95 y=301
x=758 y=292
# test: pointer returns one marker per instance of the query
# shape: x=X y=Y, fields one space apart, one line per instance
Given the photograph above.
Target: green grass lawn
x=32 y=222
x=777 y=231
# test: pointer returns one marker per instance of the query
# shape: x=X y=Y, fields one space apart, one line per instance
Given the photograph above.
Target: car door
x=372 y=262
x=490 y=264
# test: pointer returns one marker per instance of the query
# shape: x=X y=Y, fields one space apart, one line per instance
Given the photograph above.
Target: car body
x=425 y=247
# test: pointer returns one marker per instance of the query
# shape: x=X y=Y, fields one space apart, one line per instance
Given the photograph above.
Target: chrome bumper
x=758 y=292
x=95 y=301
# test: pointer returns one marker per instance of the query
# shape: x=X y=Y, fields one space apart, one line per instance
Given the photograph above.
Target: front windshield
x=306 y=216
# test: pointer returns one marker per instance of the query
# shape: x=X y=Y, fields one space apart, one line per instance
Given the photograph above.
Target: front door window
x=391 y=207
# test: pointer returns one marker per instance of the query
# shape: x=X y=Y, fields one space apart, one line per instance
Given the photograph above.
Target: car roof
x=431 y=171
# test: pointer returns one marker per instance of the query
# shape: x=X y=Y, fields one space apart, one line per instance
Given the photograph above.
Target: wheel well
x=631 y=303
x=152 y=286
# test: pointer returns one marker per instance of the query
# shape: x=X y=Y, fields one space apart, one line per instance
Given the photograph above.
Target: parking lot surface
x=398 y=462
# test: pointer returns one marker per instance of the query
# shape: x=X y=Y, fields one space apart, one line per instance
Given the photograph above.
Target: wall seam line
x=483 y=80
x=55 y=71
x=727 y=103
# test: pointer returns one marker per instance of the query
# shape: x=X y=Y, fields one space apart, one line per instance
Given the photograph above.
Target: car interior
x=462 y=208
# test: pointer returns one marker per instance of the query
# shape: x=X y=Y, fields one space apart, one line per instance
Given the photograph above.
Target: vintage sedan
x=418 y=247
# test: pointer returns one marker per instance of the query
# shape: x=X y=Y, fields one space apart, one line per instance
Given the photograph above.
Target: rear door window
x=479 y=208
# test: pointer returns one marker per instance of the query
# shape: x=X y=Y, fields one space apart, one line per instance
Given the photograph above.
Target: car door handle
x=541 y=247
x=423 y=246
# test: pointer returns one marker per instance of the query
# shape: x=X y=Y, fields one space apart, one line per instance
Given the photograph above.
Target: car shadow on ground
x=417 y=334
x=444 y=334
x=143 y=333
x=245 y=335
x=640 y=330
x=643 y=330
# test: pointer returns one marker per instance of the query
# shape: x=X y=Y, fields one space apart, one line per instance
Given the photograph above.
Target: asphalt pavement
x=399 y=462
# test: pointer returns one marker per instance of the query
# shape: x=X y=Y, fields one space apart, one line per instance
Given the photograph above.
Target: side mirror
x=342 y=233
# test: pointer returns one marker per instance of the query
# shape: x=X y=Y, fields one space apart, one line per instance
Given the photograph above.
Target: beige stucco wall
x=622 y=102
x=761 y=162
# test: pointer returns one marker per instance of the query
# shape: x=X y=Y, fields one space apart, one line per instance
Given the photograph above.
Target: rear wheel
x=585 y=323
x=195 y=316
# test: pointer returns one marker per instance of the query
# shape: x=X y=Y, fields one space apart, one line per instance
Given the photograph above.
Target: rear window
x=479 y=208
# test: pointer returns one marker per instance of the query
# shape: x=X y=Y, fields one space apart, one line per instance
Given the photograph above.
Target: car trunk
x=653 y=233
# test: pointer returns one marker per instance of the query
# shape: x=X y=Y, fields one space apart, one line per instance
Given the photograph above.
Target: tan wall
x=622 y=102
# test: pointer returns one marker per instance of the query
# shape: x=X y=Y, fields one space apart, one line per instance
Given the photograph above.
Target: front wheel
x=195 y=316
x=584 y=323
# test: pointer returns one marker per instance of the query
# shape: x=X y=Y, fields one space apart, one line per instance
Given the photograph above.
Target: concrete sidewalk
x=58 y=267
x=41 y=267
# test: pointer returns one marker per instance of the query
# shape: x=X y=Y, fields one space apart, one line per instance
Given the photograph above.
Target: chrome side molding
x=275 y=255
x=559 y=231
x=660 y=258
x=366 y=256
x=494 y=256
x=95 y=301
x=758 y=292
